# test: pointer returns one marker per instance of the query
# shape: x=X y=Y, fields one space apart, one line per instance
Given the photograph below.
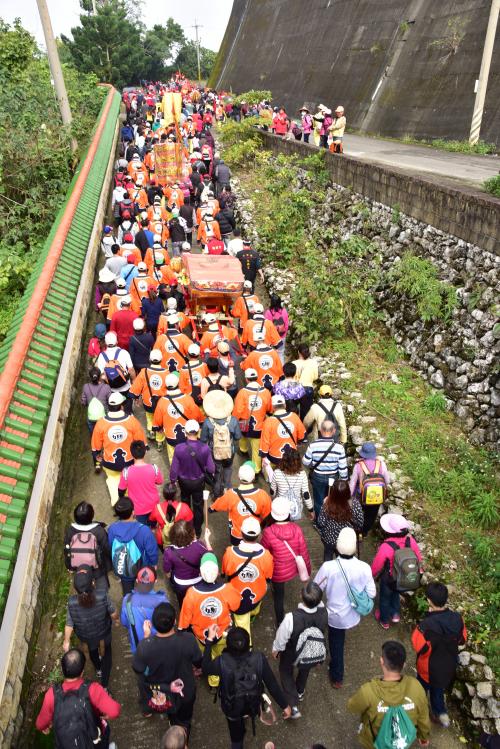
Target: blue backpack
x=126 y=558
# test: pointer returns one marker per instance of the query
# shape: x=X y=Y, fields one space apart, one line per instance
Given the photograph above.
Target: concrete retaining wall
x=397 y=66
x=27 y=575
x=464 y=212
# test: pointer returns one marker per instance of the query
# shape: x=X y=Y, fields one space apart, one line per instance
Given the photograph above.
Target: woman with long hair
x=290 y=480
x=279 y=317
x=152 y=307
x=168 y=512
x=338 y=512
x=89 y=614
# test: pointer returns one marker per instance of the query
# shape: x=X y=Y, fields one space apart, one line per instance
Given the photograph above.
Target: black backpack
x=241 y=685
x=75 y=724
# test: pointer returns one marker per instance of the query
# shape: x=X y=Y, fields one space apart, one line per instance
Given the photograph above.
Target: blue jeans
x=389 y=601
x=436 y=695
x=336 y=640
x=320 y=490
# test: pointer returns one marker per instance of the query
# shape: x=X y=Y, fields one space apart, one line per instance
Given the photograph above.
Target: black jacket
x=226 y=221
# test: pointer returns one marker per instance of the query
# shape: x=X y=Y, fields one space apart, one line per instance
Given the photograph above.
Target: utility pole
x=482 y=84
x=197 y=26
x=55 y=67
x=94 y=8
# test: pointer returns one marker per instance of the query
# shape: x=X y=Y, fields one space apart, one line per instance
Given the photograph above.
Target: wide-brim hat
x=368 y=450
x=304 y=109
x=393 y=523
x=218 y=404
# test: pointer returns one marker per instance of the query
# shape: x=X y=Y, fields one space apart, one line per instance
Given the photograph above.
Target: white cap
x=251 y=374
x=246 y=473
x=185 y=246
x=171 y=381
x=120 y=283
x=278 y=400
x=194 y=349
x=110 y=338
x=192 y=427
x=138 y=323
x=172 y=318
x=155 y=356
x=171 y=303
x=126 y=299
x=116 y=399
x=247 y=284
x=157 y=238
x=250 y=527
x=258 y=308
x=346 y=542
x=142 y=266
x=280 y=508
x=209 y=318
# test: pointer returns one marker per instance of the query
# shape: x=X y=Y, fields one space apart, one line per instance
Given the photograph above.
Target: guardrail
x=32 y=352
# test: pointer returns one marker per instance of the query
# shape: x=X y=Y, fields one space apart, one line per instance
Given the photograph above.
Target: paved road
x=463 y=168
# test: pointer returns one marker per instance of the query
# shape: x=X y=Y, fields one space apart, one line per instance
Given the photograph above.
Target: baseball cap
x=251 y=374
x=325 y=390
x=258 y=308
x=277 y=400
x=138 y=323
x=145 y=580
x=209 y=318
x=142 y=266
x=116 y=399
x=155 y=356
x=194 y=349
x=192 y=426
x=171 y=381
x=250 y=527
x=246 y=473
x=110 y=338
x=247 y=284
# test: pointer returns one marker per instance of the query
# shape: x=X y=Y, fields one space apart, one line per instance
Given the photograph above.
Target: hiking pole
x=206 y=495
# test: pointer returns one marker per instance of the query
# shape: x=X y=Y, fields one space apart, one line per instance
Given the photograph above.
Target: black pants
x=236 y=732
x=306 y=137
x=184 y=714
x=306 y=402
x=279 y=601
x=292 y=686
x=102 y=664
x=370 y=513
x=192 y=493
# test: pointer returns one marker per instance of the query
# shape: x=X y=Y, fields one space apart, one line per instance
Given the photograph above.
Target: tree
x=108 y=44
x=187 y=62
x=161 y=47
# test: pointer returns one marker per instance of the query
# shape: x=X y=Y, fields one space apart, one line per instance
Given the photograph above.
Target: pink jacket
x=386 y=552
x=285 y=567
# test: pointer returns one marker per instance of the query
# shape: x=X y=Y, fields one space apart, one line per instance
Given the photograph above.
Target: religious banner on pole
x=171 y=163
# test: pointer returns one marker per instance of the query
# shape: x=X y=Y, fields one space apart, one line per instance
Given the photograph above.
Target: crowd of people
x=202 y=390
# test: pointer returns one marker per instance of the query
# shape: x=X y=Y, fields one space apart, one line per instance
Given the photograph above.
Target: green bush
x=418 y=279
x=492 y=186
x=252 y=97
x=463 y=146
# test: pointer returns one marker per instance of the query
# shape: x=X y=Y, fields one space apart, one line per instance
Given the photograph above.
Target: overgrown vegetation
x=418 y=280
x=492 y=186
x=252 y=97
x=456 y=146
x=456 y=485
x=36 y=163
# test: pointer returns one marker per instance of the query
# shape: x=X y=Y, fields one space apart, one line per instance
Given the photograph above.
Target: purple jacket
x=326 y=124
x=186 y=466
x=307 y=124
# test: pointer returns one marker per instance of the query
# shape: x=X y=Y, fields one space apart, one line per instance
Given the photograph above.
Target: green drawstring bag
x=95 y=410
x=397 y=731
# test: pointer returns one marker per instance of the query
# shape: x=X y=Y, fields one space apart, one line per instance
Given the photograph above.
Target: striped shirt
x=334 y=463
x=283 y=484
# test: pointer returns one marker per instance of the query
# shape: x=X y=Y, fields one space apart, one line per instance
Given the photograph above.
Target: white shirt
x=118 y=195
x=235 y=246
x=123 y=357
x=341 y=614
x=106 y=243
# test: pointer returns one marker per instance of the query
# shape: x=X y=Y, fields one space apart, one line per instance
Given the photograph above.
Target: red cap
x=131 y=258
x=151 y=287
x=146 y=578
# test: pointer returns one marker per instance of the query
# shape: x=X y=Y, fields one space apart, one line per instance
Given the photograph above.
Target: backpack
x=310 y=648
x=115 y=373
x=83 y=549
x=330 y=415
x=215 y=385
x=295 y=504
x=104 y=303
x=167 y=524
x=95 y=410
x=279 y=324
x=241 y=685
x=397 y=730
x=373 y=486
x=74 y=722
x=405 y=568
x=126 y=558
x=222 y=444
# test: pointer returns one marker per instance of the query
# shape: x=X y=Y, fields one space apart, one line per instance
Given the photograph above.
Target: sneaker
x=443 y=718
x=151 y=436
x=396 y=619
x=97 y=468
x=336 y=684
x=112 y=745
x=295 y=713
x=301 y=696
x=376 y=614
x=98 y=674
x=384 y=625
x=159 y=446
